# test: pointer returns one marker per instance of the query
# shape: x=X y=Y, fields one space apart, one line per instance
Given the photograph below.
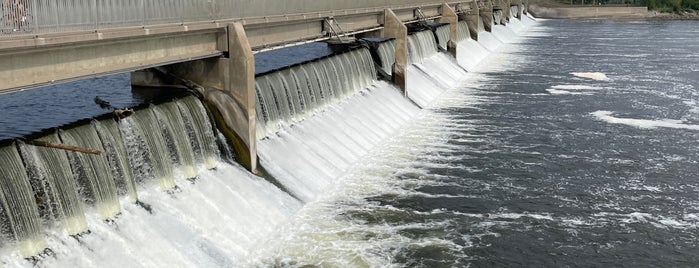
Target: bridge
x=209 y=42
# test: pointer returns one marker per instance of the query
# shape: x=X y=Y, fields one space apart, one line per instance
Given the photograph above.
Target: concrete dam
x=202 y=178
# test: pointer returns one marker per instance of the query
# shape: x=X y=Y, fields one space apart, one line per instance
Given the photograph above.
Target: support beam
x=505 y=12
x=486 y=13
x=471 y=18
x=235 y=105
x=394 y=28
x=449 y=16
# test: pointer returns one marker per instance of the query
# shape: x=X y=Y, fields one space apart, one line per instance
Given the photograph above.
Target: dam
x=431 y=136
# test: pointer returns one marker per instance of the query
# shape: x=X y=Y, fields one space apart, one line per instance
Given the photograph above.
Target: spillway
x=161 y=193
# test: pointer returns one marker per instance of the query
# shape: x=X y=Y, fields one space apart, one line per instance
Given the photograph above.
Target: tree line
x=671 y=5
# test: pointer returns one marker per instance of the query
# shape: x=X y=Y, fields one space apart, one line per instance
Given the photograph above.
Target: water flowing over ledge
x=161 y=186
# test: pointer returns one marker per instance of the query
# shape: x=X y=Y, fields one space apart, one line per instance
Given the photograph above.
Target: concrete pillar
x=486 y=13
x=236 y=103
x=394 y=28
x=505 y=12
x=227 y=86
x=471 y=18
x=449 y=16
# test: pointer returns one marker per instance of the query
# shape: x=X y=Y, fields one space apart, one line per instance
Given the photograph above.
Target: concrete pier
x=394 y=28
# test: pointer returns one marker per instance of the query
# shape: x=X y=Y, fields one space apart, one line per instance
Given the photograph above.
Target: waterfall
x=430 y=73
x=481 y=25
x=443 y=36
x=487 y=39
x=177 y=139
x=462 y=31
x=308 y=156
x=95 y=178
x=514 y=10
x=115 y=151
x=516 y=25
x=497 y=16
x=18 y=211
x=421 y=45
x=200 y=131
x=290 y=95
x=44 y=188
x=387 y=54
x=504 y=34
x=470 y=53
x=145 y=127
x=54 y=184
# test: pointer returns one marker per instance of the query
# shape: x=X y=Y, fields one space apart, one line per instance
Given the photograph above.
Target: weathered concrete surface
x=471 y=18
x=485 y=11
x=599 y=12
x=33 y=60
x=394 y=28
x=449 y=16
x=29 y=66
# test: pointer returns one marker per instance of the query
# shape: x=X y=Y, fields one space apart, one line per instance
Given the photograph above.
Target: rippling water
x=576 y=146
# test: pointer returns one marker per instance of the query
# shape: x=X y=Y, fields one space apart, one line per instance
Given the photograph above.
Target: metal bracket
x=331 y=23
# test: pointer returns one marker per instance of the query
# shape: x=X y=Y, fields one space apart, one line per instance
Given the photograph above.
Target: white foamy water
x=489 y=41
x=591 y=75
x=470 y=54
x=554 y=91
x=211 y=223
x=429 y=79
x=607 y=116
x=571 y=90
x=504 y=34
x=308 y=156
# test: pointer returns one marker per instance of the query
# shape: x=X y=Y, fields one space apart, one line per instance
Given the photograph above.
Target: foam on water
x=196 y=226
x=489 y=41
x=643 y=123
x=592 y=75
x=470 y=54
x=504 y=34
x=308 y=156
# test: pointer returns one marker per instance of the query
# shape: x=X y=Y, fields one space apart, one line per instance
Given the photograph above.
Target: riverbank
x=558 y=11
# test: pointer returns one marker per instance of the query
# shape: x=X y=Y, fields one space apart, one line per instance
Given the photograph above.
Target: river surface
x=575 y=146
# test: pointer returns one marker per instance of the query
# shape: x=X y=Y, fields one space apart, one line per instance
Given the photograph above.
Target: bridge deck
x=97 y=37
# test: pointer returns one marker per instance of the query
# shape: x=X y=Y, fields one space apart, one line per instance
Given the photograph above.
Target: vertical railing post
x=143 y=13
x=95 y=14
x=35 y=16
x=55 y=11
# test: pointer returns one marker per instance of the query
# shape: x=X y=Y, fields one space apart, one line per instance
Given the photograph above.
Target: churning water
x=570 y=143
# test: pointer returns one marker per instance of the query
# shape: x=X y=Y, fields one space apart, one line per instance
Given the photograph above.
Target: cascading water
x=462 y=31
x=115 y=150
x=177 y=139
x=307 y=153
x=291 y=94
x=315 y=121
x=94 y=176
x=429 y=72
x=41 y=187
x=469 y=53
x=481 y=25
x=443 y=36
x=50 y=173
x=487 y=39
x=387 y=54
x=497 y=16
x=18 y=211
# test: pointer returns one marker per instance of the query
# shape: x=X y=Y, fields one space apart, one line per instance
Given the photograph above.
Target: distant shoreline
x=608 y=12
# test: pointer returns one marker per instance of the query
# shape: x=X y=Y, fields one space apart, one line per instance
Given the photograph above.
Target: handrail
x=34 y=17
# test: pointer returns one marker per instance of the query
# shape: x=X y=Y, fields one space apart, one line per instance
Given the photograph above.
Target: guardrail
x=55 y=16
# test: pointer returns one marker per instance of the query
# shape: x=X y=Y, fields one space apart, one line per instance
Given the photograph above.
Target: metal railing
x=55 y=16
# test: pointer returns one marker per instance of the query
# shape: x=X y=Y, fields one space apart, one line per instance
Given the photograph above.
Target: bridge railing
x=55 y=16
